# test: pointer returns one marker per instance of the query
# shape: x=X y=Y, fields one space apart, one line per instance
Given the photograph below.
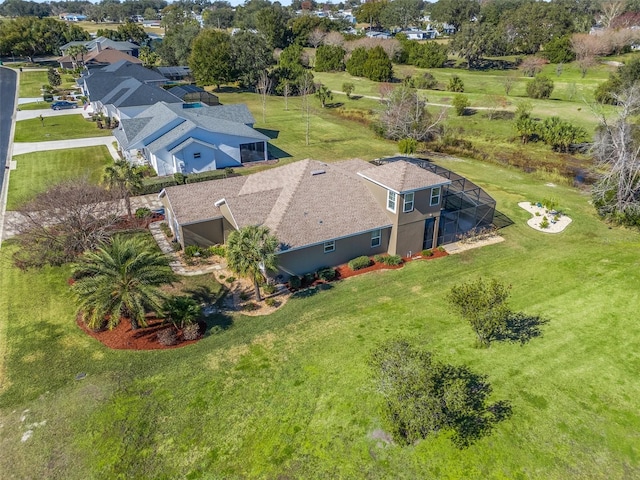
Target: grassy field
x=290 y=395
x=35 y=106
x=63 y=127
x=31 y=83
x=36 y=171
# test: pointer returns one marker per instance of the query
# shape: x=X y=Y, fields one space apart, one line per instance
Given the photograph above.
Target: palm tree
x=75 y=51
x=251 y=252
x=121 y=279
x=124 y=177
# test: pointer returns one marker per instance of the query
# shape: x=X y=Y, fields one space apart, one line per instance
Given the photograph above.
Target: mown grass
x=35 y=106
x=39 y=170
x=290 y=395
x=31 y=83
x=62 y=127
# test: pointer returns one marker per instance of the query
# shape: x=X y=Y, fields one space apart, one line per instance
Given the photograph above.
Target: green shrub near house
x=359 y=263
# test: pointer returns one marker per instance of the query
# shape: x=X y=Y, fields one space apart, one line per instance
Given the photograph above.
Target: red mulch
x=345 y=272
x=123 y=338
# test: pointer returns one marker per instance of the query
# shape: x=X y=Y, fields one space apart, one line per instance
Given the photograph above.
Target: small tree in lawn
x=323 y=94
x=482 y=303
x=251 y=252
x=348 y=88
x=54 y=77
x=264 y=88
x=460 y=103
x=540 y=87
x=125 y=179
x=455 y=84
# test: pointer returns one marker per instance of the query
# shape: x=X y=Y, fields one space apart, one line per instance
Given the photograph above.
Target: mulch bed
x=345 y=272
x=124 y=338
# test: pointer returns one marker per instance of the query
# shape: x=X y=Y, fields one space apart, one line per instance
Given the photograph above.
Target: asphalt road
x=8 y=79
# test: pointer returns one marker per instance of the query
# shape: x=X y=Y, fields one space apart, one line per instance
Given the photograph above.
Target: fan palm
x=121 y=279
x=125 y=178
x=251 y=252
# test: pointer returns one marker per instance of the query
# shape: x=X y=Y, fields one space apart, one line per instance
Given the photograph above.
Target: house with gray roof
x=101 y=43
x=191 y=137
x=323 y=214
x=124 y=89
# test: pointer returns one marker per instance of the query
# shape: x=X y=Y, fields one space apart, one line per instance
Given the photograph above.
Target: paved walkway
x=47 y=112
x=176 y=264
x=29 y=147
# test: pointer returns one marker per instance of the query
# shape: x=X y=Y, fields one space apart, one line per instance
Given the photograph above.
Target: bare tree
x=587 y=47
x=316 y=37
x=264 y=88
x=306 y=88
x=333 y=38
x=617 y=152
x=64 y=221
x=531 y=66
x=610 y=10
x=286 y=91
x=405 y=116
x=508 y=81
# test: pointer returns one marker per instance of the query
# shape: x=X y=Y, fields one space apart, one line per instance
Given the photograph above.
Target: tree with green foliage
x=424 y=397
x=620 y=81
x=483 y=304
x=120 y=279
x=148 y=57
x=54 y=77
x=559 y=50
x=323 y=94
x=472 y=41
x=355 y=63
x=210 y=59
x=175 y=47
x=125 y=179
x=371 y=13
x=329 y=58
x=407 y=146
x=540 y=87
x=250 y=56
x=221 y=15
x=378 y=66
x=460 y=104
x=181 y=310
x=455 y=12
x=272 y=23
x=251 y=252
x=455 y=84
x=348 y=88
x=560 y=134
x=426 y=55
x=401 y=14
x=77 y=52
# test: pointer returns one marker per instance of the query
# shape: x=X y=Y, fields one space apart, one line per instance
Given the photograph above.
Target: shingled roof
x=303 y=203
x=402 y=177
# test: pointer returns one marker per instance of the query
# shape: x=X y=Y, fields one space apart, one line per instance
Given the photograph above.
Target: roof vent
x=220 y=202
x=317 y=172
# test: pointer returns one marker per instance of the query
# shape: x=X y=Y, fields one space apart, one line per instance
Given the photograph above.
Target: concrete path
x=47 y=112
x=20 y=148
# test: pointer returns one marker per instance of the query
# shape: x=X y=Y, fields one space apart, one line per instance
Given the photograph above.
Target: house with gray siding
x=191 y=137
x=323 y=214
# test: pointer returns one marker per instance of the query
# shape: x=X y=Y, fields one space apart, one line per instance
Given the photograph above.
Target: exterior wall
x=204 y=233
x=206 y=162
x=310 y=259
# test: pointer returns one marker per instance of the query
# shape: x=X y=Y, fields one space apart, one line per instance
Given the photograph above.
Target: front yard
x=290 y=395
x=62 y=127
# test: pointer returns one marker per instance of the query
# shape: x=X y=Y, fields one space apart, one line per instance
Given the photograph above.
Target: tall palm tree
x=121 y=279
x=251 y=252
x=124 y=178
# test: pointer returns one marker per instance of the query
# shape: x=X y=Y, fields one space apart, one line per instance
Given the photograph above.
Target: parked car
x=63 y=104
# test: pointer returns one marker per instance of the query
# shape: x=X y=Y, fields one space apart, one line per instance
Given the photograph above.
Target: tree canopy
x=210 y=59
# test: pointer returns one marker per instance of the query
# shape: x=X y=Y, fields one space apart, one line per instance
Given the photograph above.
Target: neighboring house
x=325 y=214
x=176 y=74
x=192 y=94
x=72 y=17
x=191 y=138
x=102 y=43
x=101 y=58
x=124 y=89
x=415 y=34
x=381 y=35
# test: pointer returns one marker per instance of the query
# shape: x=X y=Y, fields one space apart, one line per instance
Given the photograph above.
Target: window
x=251 y=152
x=408 y=202
x=196 y=155
x=391 y=201
x=376 y=236
x=329 y=246
x=435 y=196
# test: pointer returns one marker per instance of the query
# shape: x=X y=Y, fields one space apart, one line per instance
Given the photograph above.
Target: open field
x=63 y=127
x=31 y=83
x=289 y=395
x=39 y=170
x=35 y=106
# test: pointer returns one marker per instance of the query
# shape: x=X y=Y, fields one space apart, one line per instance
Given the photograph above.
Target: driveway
x=20 y=148
x=47 y=112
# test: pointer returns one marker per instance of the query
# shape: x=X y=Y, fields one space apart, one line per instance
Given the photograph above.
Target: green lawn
x=35 y=106
x=36 y=171
x=31 y=83
x=63 y=127
x=290 y=395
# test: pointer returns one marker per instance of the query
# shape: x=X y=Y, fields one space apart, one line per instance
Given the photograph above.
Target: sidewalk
x=47 y=112
x=29 y=147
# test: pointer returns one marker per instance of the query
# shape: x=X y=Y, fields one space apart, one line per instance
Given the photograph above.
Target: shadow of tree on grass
x=521 y=328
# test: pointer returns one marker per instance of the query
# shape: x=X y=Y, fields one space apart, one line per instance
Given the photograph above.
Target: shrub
x=191 y=251
x=348 y=88
x=544 y=223
x=167 y=337
x=455 y=84
x=359 y=263
x=269 y=288
x=230 y=279
x=175 y=246
x=295 y=281
x=271 y=302
x=221 y=276
x=392 y=260
x=250 y=307
x=143 y=212
x=460 y=103
x=427 y=253
x=327 y=274
x=540 y=87
x=219 y=250
x=180 y=178
x=166 y=229
x=426 y=81
x=244 y=296
x=441 y=249
x=191 y=331
x=407 y=146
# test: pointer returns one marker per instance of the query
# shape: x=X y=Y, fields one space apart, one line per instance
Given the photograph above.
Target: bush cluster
x=166 y=229
x=359 y=263
x=167 y=337
x=191 y=331
x=295 y=281
x=427 y=253
x=391 y=260
x=327 y=274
